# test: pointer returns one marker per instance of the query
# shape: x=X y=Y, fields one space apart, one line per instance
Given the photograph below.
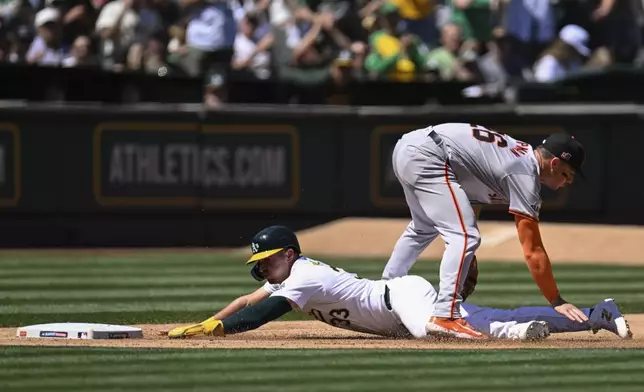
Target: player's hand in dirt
x=572 y=312
x=209 y=327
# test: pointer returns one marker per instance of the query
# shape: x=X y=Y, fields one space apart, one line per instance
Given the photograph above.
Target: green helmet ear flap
x=270 y=241
x=255 y=273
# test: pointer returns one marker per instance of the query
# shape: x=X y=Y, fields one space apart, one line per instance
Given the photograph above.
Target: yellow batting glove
x=213 y=327
x=209 y=327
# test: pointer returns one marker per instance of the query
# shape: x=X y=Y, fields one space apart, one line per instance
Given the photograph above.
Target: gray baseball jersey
x=443 y=171
x=493 y=168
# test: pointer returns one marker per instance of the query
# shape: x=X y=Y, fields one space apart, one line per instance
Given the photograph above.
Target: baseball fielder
x=399 y=307
x=447 y=168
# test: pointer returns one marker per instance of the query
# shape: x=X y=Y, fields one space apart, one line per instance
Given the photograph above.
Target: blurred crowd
x=311 y=42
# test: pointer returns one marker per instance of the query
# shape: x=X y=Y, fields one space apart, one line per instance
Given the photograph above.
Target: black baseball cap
x=567 y=148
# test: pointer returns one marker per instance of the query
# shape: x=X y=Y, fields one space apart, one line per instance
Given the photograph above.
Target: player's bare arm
x=242 y=302
x=541 y=268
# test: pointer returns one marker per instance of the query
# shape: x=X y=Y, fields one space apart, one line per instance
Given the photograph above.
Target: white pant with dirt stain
x=412 y=301
x=438 y=205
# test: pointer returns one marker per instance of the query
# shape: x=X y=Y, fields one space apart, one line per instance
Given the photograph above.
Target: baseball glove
x=209 y=327
x=470 y=280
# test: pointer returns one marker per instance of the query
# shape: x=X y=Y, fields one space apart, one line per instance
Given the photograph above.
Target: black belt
x=438 y=140
x=387 y=301
x=435 y=137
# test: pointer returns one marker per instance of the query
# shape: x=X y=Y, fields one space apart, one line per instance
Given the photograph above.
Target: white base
x=79 y=331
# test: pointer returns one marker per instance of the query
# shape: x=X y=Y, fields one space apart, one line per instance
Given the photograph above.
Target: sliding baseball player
x=400 y=307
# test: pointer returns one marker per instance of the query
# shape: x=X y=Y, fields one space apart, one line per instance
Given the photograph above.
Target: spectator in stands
x=17 y=29
x=280 y=12
x=177 y=45
x=168 y=10
x=530 y=26
x=446 y=59
x=251 y=54
x=489 y=66
x=418 y=17
x=615 y=28
x=316 y=43
x=148 y=57
x=304 y=58
x=475 y=19
x=340 y=19
x=151 y=22
x=155 y=55
x=309 y=46
x=16 y=13
x=9 y=8
x=77 y=17
x=564 y=56
x=209 y=37
x=46 y=47
x=134 y=57
x=80 y=54
x=150 y=36
x=392 y=54
x=258 y=9
x=146 y=25
x=116 y=27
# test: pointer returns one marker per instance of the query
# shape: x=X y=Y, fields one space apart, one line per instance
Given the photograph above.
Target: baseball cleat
x=452 y=327
x=531 y=331
x=606 y=315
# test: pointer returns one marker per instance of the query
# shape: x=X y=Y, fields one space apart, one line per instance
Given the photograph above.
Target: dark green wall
x=150 y=176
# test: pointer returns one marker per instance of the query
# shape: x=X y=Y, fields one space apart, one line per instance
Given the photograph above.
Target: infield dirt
x=565 y=243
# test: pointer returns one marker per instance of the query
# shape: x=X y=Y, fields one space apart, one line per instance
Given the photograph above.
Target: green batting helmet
x=268 y=242
x=271 y=240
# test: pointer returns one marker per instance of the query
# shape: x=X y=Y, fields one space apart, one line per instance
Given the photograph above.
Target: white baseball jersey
x=338 y=298
x=493 y=168
x=343 y=300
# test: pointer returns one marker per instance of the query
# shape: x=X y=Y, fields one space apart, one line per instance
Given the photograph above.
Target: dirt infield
x=314 y=334
x=375 y=238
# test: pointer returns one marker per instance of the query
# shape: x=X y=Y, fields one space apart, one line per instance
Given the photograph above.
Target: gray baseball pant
x=438 y=205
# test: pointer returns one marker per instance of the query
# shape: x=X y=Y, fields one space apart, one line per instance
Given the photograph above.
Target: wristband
x=558 y=301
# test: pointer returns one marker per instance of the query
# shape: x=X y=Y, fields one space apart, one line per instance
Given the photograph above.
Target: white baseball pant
x=412 y=298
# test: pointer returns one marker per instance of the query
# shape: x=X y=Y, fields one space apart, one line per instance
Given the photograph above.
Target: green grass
x=174 y=287
x=170 y=287
x=100 y=369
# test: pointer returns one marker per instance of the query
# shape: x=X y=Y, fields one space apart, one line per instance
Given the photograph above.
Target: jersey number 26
x=485 y=135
